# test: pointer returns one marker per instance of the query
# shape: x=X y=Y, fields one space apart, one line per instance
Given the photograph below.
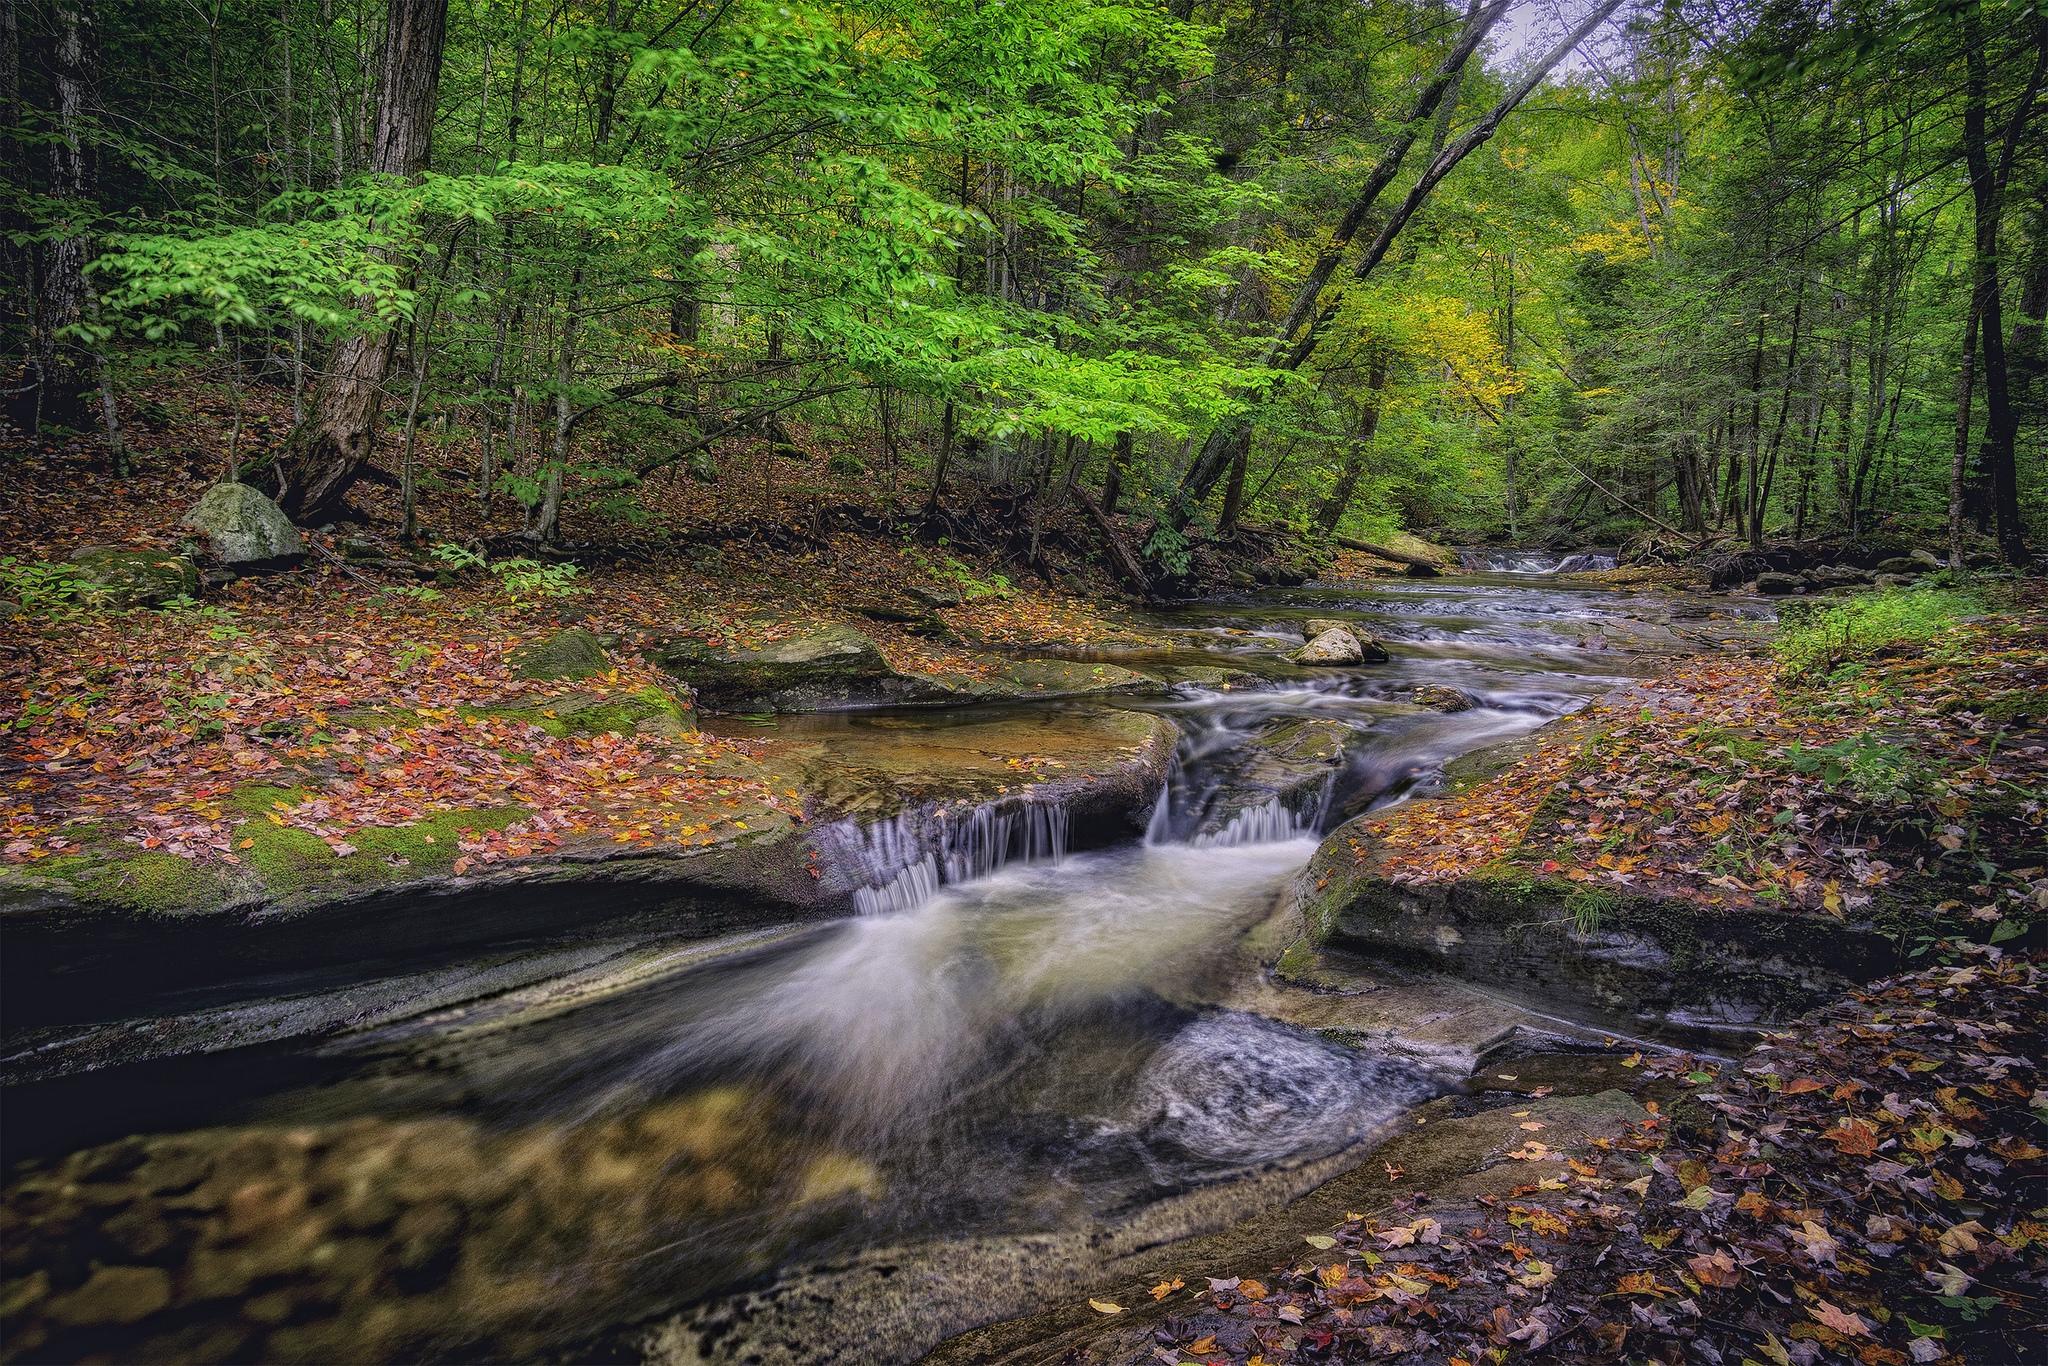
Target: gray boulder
x=1927 y=558
x=1901 y=564
x=1334 y=646
x=1778 y=585
x=1893 y=580
x=244 y=526
x=823 y=669
x=121 y=576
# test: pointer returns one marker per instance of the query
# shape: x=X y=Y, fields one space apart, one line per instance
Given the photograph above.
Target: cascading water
x=1534 y=561
x=901 y=862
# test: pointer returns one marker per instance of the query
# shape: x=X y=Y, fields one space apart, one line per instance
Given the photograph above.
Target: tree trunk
x=1113 y=481
x=1959 y=463
x=328 y=451
x=1339 y=502
x=1987 y=199
x=64 y=369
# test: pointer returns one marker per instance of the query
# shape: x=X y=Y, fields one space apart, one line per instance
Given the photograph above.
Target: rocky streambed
x=1000 y=1022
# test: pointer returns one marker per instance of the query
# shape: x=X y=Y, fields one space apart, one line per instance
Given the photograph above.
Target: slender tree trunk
x=64 y=368
x=328 y=451
x=1339 y=502
x=1959 y=462
x=1987 y=196
x=1113 y=479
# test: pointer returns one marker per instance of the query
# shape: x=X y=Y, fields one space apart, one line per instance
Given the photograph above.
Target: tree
x=331 y=448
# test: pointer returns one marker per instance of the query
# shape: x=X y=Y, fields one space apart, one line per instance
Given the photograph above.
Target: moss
x=139 y=880
x=259 y=799
x=570 y=714
x=433 y=842
x=291 y=861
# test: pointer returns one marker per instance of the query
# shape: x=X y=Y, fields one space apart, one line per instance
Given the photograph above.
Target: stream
x=1014 y=1049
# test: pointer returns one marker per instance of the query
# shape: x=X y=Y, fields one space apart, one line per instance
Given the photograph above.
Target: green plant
x=971 y=583
x=526 y=581
x=1816 y=640
x=459 y=558
x=1170 y=550
x=43 y=589
x=1870 y=768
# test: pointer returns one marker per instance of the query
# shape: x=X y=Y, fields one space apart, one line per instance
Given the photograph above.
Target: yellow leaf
x=1105 y=1307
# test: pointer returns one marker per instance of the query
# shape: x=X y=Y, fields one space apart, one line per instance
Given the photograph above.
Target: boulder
x=934 y=597
x=1440 y=697
x=1837 y=576
x=823 y=669
x=1901 y=564
x=1893 y=581
x=244 y=526
x=1280 y=775
x=120 y=576
x=1927 y=558
x=1334 y=646
x=1370 y=650
x=574 y=653
x=1778 y=585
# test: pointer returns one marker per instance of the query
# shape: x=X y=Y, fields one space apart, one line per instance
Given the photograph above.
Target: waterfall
x=902 y=861
x=1267 y=824
x=1534 y=561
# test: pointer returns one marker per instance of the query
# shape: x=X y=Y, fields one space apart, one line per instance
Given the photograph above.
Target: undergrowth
x=1818 y=639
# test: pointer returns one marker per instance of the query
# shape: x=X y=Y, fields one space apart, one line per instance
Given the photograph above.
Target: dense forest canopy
x=1682 y=268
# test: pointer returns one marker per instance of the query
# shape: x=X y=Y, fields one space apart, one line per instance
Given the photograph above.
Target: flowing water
x=1009 y=1040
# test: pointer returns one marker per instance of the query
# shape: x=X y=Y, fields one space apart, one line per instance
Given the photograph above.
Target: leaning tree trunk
x=330 y=449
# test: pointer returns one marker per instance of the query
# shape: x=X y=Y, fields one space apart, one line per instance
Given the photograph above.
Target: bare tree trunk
x=328 y=451
x=1113 y=480
x=1339 y=502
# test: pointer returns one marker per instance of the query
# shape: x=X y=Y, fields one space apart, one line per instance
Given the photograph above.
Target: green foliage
x=528 y=581
x=1815 y=639
x=972 y=583
x=42 y=588
x=1874 y=770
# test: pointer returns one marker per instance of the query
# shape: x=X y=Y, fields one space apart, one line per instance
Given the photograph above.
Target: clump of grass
x=1814 y=642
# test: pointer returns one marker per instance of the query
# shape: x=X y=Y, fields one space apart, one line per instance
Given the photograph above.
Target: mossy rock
x=1595 y=953
x=822 y=669
x=118 y=576
x=646 y=711
x=571 y=654
x=292 y=862
x=145 y=880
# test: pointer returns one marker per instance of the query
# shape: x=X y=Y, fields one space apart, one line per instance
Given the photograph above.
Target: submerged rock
x=1441 y=697
x=244 y=526
x=117 y=576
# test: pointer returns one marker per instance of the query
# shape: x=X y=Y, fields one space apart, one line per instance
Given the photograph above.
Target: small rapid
x=1031 y=1028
